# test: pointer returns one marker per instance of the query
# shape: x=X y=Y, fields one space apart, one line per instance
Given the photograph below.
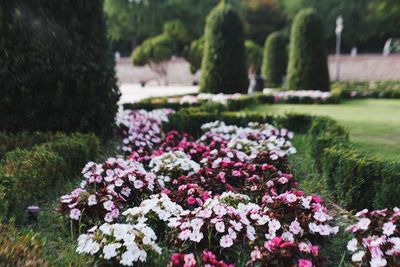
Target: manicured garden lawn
x=374 y=124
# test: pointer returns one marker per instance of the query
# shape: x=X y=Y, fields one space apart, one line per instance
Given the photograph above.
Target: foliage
x=261 y=18
x=155 y=52
x=224 y=66
x=253 y=56
x=32 y=176
x=307 y=67
x=20 y=248
x=194 y=54
x=72 y=90
x=275 y=59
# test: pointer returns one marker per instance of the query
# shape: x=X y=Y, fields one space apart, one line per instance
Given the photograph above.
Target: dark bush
x=299 y=123
x=275 y=59
x=56 y=71
x=243 y=102
x=307 y=67
x=224 y=62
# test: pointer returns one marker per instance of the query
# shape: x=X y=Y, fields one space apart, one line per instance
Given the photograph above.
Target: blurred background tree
x=368 y=23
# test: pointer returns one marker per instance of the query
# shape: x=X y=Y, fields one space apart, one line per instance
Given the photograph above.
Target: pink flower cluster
x=141 y=130
x=107 y=189
x=376 y=240
x=229 y=191
x=188 y=260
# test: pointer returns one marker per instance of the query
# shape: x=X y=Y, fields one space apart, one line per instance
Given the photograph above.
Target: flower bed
x=178 y=201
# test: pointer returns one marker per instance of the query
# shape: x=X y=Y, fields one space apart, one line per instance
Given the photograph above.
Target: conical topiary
x=275 y=59
x=224 y=61
x=307 y=68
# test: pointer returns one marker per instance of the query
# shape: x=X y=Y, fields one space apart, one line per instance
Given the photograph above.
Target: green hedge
x=9 y=141
x=356 y=180
x=367 y=89
x=32 y=176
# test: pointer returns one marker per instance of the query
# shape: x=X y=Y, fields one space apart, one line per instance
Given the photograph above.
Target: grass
x=374 y=124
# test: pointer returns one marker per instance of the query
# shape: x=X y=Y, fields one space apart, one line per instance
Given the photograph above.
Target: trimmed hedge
x=32 y=176
x=9 y=141
x=356 y=180
x=367 y=89
x=275 y=59
x=223 y=69
x=307 y=67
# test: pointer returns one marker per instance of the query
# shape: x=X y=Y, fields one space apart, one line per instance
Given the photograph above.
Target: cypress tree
x=307 y=68
x=224 y=62
x=56 y=73
x=275 y=59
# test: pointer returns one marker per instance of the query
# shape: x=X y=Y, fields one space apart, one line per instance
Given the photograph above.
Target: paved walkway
x=134 y=92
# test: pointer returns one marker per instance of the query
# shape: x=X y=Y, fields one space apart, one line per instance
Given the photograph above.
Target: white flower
x=128 y=258
x=291 y=198
x=320 y=216
x=219 y=210
x=75 y=214
x=110 y=250
x=196 y=236
x=363 y=223
x=108 y=205
x=92 y=200
x=220 y=227
x=226 y=241
x=388 y=228
x=295 y=227
x=357 y=257
x=352 y=245
x=274 y=225
x=138 y=184
x=196 y=224
x=378 y=262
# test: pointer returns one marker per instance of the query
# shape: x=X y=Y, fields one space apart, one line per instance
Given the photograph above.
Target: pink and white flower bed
x=224 y=199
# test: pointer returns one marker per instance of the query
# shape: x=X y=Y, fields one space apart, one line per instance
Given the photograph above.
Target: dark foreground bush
x=56 y=71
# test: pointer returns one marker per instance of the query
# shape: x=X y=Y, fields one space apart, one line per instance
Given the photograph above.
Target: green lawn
x=374 y=124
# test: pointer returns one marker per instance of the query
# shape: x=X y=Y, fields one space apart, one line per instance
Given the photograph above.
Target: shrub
x=194 y=54
x=10 y=141
x=243 y=102
x=224 y=62
x=307 y=67
x=31 y=176
x=155 y=52
x=275 y=59
x=253 y=56
x=299 y=123
x=177 y=30
x=57 y=73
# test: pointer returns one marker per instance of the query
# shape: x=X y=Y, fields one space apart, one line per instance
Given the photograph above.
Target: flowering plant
x=107 y=189
x=376 y=238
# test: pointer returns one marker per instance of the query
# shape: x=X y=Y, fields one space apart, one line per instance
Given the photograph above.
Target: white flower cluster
x=160 y=204
x=123 y=243
x=173 y=162
x=287 y=95
x=252 y=139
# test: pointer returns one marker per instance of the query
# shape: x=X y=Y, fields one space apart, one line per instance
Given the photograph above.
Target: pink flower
x=305 y=263
x=226 y=241
x=191 y=200
x=75 y=214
